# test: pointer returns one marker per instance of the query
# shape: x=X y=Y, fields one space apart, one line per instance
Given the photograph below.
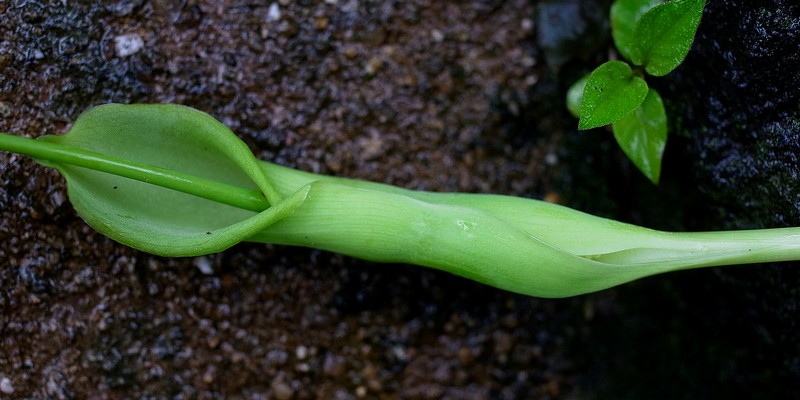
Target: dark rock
x=743 y=110
x=568 y=29
x=735 y=104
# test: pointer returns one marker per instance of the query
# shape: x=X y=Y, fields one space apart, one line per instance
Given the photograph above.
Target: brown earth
x=421 y=94
x=432 y=95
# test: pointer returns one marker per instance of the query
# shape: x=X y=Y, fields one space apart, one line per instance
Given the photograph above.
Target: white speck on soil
x=5 y=386
x=274 y=12
x=204 y=265
x=128 y=44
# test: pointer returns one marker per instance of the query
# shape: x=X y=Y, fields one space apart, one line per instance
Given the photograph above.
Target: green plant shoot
x=664 y=34
x=173 y=181
x=624 y=16
x=655 y=37
x=611 y=93
x=644 y=150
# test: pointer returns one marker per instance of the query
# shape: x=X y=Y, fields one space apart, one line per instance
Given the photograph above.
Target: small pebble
x=128 y=44
x=274 y=12
x=320 y=23
x=282 y=391
x=333 y=366
x=373 y=66
x=5 y=386
x=301 y=352
x=204 y=265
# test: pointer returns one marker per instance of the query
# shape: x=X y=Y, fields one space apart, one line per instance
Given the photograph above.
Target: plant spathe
x=172 y=181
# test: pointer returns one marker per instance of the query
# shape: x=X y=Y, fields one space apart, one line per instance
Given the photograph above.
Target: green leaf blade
x=624 y=15
x=642 y=135
x=575 y=96
x=664 y=35
x=153 y=218
x=611 y=92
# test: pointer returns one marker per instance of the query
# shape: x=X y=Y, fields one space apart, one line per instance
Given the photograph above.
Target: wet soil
x=433 y=95
x=425 y=95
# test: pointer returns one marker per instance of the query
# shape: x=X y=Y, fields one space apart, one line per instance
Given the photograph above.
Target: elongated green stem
x=220 y=192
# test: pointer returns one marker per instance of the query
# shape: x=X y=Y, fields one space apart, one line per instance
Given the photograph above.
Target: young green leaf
x=154 y=218
x=663 y=35
x=575 y=96
x=642 y=135
x=611 y=92
x=624 y=14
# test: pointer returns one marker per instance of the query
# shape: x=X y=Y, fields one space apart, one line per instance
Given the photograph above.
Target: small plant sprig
x=173 y=181
x=655 y=37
